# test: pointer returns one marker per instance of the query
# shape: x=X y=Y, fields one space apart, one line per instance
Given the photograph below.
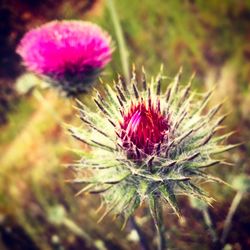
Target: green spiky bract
x=176 y=164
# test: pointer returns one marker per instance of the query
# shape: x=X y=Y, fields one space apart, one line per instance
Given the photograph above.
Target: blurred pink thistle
x=70 y=53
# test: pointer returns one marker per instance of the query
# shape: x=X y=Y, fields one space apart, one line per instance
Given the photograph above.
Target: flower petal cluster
x=149 y=144
x=144 y=126
x=71 y=54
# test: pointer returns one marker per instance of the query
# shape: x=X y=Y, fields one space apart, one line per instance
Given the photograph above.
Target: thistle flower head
x=150 y=144
x=70 y=54
x=144 y=126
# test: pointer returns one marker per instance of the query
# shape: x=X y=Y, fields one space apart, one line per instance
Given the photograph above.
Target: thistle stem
x=157 y=215
x=208 y=222
x=37 y=94
x=162 y=244
x=228 y=222
x=120 y=38
x=73 y=227
x=143 y=240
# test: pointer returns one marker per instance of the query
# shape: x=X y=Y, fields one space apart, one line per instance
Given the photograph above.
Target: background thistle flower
x=150 y=145
x=70 y=54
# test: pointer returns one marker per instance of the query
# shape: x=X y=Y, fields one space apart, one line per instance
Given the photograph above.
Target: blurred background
x=38 y=209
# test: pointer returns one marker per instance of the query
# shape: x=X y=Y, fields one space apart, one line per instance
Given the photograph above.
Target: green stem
x=157 y=215
x=228 y=222
x=208 y=222
x=161 y=232
x=37 y=94
x=73 y=227
x=120 y=38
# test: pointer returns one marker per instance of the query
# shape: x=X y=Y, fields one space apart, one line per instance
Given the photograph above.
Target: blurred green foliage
x=211 y=38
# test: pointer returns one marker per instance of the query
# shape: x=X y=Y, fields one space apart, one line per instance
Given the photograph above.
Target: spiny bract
x=148 y=144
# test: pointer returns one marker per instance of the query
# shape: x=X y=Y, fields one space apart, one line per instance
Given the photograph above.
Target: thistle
x=149 y=144
x=69 y=54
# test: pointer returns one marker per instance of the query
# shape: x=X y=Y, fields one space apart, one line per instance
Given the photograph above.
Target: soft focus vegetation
x=38 y=208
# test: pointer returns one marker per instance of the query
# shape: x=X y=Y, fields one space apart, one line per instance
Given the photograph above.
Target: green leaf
x=190 y=189
x=154 y=208
x=169 y=196
x=108 y=176
x=133 y=204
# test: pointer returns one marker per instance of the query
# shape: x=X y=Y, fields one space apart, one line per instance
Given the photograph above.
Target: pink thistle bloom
x=70 y=53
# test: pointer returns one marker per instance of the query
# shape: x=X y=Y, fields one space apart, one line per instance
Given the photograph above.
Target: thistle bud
x=149 y=144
